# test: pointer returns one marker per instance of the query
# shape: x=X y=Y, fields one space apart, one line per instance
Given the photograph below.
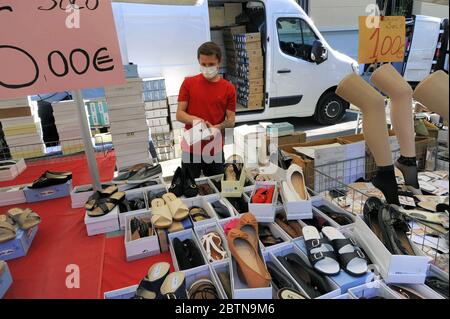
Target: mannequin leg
x=433 y=93
x=355 y=90
x=391 y=83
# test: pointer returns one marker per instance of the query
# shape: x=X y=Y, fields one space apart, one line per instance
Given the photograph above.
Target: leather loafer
x=177 y=183
x=190 y=188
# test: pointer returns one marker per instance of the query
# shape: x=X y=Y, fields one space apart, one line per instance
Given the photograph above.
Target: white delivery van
x=301 y=70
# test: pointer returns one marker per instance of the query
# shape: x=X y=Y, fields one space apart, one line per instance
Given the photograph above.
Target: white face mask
x=209 y=72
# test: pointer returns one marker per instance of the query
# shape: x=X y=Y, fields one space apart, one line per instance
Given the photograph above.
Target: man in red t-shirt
x=209 y=99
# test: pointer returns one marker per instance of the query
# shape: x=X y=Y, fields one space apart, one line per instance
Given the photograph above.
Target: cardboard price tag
x=381 y=39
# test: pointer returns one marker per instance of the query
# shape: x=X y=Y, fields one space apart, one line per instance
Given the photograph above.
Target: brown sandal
x=203 y=289
x=198 y=214
x=106 y=205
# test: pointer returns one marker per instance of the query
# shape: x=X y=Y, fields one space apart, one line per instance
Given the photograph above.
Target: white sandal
x=212 y=243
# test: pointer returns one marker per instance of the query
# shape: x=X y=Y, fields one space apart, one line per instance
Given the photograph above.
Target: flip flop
x=26 y=219
x=105 y=205
x=177 y=208
x=320 y=252
x=351 y=259
x=161 y=215
x=7 y=229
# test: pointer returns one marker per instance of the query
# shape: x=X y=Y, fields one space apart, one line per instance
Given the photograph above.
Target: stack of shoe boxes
x=68 y=126
x=129 y=130
x=231 y=53
x=98 y=113
x=177 y=127
x=157 y=113
x=250 y=70
x=22 y=128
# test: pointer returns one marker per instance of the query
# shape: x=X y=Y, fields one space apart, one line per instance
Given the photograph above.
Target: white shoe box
x=288 y=248
x=130 y=195
x=173 y=99
x=241 y=290
x=132 y=87
x=295 y=210
x=79 y=199
x=104 y=224
x=206 y=180
x=401 y=269
x=10 y=172
x=183 y=235
x=124 y=127
x=12 y=195
x=373 y=289
x=173 y=108
x=201 y=230
x=177 y=125
x=344 y=296
x=160 y=121
x=123 y=102
x=132 y=149
x=264 y=213
x=201 y=202
x=133 y=137
x=143 y=247
x=123 y=163
x=16 y=102
x=160 y=129
x=155 y=105
x=126 y=114
x=157 y=113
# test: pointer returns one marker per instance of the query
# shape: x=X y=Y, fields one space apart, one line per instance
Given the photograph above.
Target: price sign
x=57 y=45
x=381 y=39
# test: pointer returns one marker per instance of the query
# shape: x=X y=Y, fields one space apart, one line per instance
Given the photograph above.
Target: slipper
x=149 y=287
x=7 y=229
x=161 y=215
x=350 y=256
x=26 y=219
x=177 y=208
x=198 y=214
x=433 y=218
x=105 y=205
x=320 y=252
x=212 y=243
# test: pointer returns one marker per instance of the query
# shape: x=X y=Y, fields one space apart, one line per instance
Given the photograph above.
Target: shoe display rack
x=68 y=127
x=129 y=130
x=22 y=128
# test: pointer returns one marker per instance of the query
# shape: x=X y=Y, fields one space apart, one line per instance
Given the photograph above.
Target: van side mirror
x=319 y=52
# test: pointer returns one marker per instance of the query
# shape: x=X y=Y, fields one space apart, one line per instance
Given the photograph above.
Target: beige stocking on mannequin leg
x=392 y=84
x=433 y=93
x=355 y=90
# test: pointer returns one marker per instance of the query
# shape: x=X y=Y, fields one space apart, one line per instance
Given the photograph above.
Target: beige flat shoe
x=161 y=215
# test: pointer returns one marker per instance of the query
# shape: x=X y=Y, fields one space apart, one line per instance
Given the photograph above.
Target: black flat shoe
x=177 y=183
x=221 y=209
x=181 y=254
x=48 y=180
x=190 y=188
x=279 y=280
x=371 y=210
x=194 y=254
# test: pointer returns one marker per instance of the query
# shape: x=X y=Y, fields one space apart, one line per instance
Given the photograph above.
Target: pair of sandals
x=290 y=227
x=159 y=283
x=263 y=195
x=188 y=254
x=198 y=214
x=213 y=246
x=103 y=202
x=203 y=289
x=330 y=253
x=140 y=228
x=267 y=237
x=24 y=218
x=168 y=209
x=389 y=225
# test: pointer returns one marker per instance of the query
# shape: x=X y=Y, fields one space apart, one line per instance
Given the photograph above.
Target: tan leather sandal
x=25 y=218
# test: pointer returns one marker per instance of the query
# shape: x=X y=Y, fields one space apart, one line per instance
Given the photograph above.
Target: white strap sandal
x=212 y=243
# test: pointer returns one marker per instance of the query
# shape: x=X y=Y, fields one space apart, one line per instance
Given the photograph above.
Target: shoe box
x=373 y=289
x=334 y=208
x=10 y=172
x=12 y=195
x=6 y=280
x=130 y=88
x=264 y=213
x=125 y=127
x=47 y=193
x=241 y=290
x=200 y=231
x=78 y=197
x=202 y=202
x=143 y=247
x=296 y=209
x=400 y=269
x=343 y=280
x=291 y=248
x=136 y=111
x=103 y=224
x=184 y=235
x=206 y=180
x=277 y=233
x=19 y=246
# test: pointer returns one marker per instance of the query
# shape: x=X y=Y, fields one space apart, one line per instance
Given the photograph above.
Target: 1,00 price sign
x=381 y=39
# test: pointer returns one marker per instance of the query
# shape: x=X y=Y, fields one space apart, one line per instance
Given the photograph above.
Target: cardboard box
x=143 y=247
x=135 y=194
x=264 y=213
x=295 y=138
x=232 y=10
x=47 y=193
x=248 y=38
x=399 y=269
x=297 y=209
x=12 y=195
x=202 y=230
x=122 y=293
x=252 y=89
x=216 y=17
x=19 y=246
x=20 y=101
x=322 y=202
x=120 y=102
x=6 y=280
x=203 y=272
x=104 y=224
x=233 y=188
x=230 y=31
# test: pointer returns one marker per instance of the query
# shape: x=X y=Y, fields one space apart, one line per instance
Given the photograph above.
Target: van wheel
x=330 y=109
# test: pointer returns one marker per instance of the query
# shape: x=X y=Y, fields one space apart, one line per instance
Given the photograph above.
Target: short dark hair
x=210 y=48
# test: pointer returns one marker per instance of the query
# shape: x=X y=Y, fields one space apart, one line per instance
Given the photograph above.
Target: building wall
x=430 y=9
x=332 y=15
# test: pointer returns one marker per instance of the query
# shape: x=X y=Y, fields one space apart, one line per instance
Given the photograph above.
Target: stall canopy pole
x=88 y=148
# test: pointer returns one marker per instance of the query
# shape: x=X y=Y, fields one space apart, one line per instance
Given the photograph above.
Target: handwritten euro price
x=385 y=43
